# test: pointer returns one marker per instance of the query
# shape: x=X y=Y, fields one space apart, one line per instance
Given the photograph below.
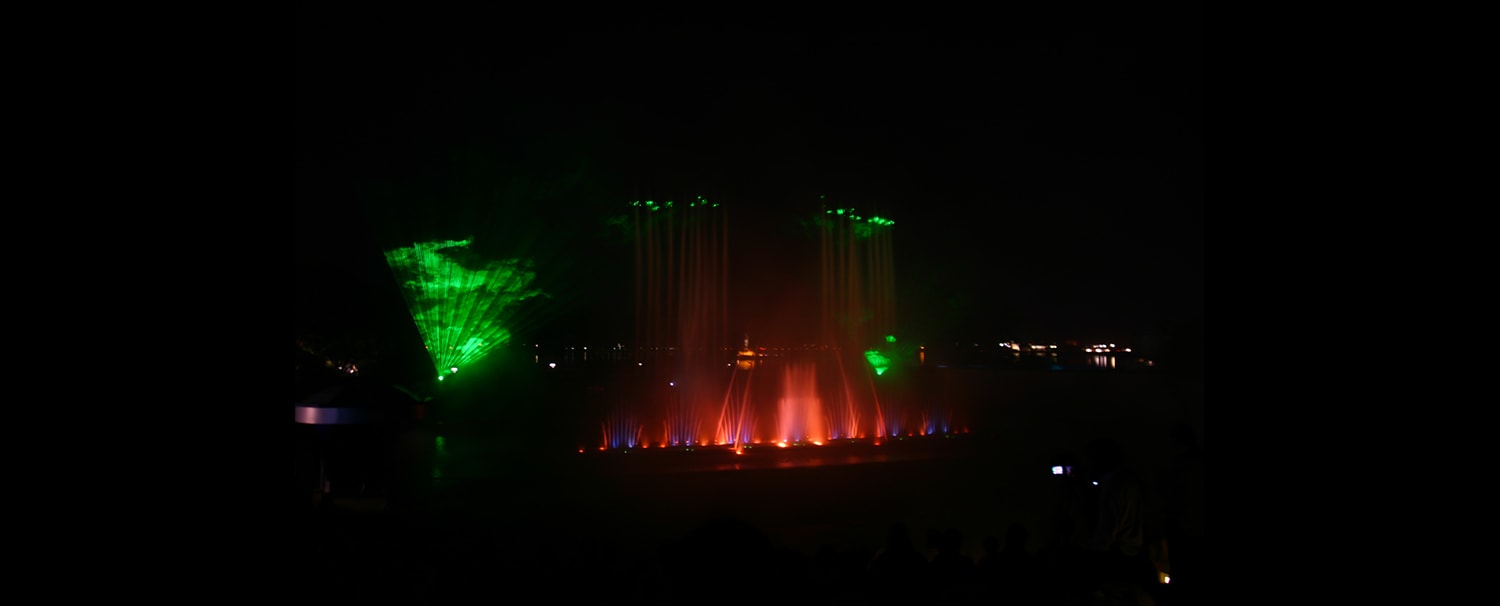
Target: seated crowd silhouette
x=1100 y=549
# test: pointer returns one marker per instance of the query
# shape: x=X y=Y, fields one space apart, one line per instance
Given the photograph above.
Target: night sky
x=1045 y=170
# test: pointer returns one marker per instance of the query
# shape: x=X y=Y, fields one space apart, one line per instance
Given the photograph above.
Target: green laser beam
x=459 y=309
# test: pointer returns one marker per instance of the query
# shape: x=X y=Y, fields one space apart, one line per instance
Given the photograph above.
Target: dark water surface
x=476 y=505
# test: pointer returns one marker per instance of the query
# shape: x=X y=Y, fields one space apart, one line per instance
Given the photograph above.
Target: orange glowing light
x=782 y=444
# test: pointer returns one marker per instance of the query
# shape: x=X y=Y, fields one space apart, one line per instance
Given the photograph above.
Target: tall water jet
x=799 y=411
x=858 y=309
x=824 y=384
x=681 y=302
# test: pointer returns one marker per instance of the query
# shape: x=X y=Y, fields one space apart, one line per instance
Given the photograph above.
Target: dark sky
x=1045 y=170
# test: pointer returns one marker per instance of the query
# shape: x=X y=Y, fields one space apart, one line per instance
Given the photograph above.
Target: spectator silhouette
x=934 y=542
x=953 y=571
x=1120 y=571
x=1182 y=508
x=726 y=553
x=829 y=568
x=1074 y=513
x=1060 y=562
x=1013 y=573
x=987 y=565
x=898 y=570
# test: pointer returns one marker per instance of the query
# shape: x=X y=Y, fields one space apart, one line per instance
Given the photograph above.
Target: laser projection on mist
x=458 y=300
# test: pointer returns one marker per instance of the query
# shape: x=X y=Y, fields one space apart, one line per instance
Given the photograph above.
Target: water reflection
x=669 y=460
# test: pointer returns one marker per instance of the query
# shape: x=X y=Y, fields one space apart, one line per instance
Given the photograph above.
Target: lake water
x=993 y=469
